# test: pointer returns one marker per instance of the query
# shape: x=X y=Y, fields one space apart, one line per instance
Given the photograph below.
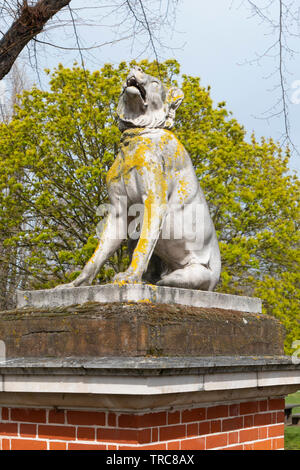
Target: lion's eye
x=155 y=84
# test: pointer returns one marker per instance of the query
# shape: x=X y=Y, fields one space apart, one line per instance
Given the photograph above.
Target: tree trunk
x=29 y=22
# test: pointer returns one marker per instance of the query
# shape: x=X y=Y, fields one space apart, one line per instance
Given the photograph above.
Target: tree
x=9 y=275
x=59 y=145
x=132 y=19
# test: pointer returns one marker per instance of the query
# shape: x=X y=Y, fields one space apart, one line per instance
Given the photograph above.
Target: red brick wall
x=244 y=426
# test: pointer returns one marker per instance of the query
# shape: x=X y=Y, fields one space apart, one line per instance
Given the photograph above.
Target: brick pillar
x=251 y=425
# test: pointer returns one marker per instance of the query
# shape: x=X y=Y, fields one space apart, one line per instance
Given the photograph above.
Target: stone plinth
x=138 y=329
x=137 y=320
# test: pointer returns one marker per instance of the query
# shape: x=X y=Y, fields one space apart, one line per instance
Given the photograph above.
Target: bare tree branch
x=281 y=73
x=95 y=46
x=150 y=34
x=282 y=16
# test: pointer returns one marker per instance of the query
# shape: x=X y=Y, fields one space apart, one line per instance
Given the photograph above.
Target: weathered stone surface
x=132 y=330
x=153 y=175
x=136 y=293
x=144 y=383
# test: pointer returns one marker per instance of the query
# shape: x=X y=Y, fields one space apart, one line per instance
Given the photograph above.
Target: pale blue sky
x=211 y=39
x=221 y=38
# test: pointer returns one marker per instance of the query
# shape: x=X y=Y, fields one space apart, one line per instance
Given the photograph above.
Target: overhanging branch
x=30 y=21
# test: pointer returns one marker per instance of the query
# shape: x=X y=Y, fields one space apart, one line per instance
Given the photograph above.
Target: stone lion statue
x=176 y=243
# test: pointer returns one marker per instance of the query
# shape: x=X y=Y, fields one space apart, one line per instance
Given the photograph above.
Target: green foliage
x=54 y=156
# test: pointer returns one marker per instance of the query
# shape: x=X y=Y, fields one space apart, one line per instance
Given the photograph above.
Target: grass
x=292 y=433
x=292 y=438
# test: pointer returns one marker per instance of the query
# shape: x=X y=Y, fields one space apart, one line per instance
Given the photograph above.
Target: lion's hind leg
x=193 y=276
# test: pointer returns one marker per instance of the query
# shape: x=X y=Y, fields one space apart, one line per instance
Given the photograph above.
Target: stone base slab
x=136 y=293
x=138 y=329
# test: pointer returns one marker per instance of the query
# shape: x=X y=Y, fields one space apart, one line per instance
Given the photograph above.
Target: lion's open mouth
x=133 y=82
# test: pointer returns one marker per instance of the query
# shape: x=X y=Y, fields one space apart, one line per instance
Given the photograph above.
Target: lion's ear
x=174 y=99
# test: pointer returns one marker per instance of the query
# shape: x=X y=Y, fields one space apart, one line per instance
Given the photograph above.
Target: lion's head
x=145 y=102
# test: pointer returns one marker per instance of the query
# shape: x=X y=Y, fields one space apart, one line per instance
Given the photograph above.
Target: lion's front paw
x=128 y=277
x=65 y=286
